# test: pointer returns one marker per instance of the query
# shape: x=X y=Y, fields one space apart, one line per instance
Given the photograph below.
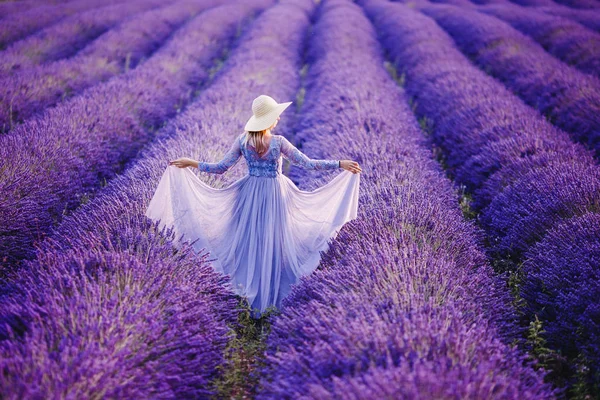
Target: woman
x=264 y=232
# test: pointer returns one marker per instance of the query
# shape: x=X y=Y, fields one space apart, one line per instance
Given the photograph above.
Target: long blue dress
x=261 y=230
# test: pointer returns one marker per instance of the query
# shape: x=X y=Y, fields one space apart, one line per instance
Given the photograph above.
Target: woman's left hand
x=351 y=166
x=183 y=162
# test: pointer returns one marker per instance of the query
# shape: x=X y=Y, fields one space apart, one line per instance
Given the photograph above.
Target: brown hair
x=257 y=140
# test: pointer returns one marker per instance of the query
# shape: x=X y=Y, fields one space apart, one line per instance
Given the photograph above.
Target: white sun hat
x=265 y=110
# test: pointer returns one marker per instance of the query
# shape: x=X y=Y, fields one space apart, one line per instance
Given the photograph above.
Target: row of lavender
x=131 y=319
x=563 y=38
x=177 y=338
x=404 y=304
x=589 y=18
x=9 y=8
x=582 y=4
x=568 y=97
x=31 y=91
x=21 y=24
x=537 y=192
x=586 y=18
x=65 y=38
x=53 y=163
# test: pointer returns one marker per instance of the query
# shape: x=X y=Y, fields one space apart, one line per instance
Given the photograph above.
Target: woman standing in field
x=264 y=232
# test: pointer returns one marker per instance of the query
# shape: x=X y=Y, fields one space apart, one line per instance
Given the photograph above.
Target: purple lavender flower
x=562 y=286
x=21 y=24
x=7 y=9
x=535 y=3
x=523 y=211
x=31 y=91
x=175 y=339
x=584 y=4
x=92 y=322
x=588 y=18
x=526 y=177
x=509 y=153
x=491 y=2
x=459 y=3
x=68 y=36
x=569 y=98
x=567 y=40
x=405 y=288
x=87 y=140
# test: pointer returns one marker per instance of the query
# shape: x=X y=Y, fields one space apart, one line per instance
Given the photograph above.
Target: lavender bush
x=68 y=36
x=53 y=163
x=505 y=153
x=543 y=197
x=201 y=130
x=491 y=2
x=566 y=40
x=460 y=3
x=588 y=18
x=561 y=286
x=114 y=224
x=31 y=91
x=95 y=323
x=23 y=23
x=584 y=4
x=7 y=9
x=404 y=290
x=535 y=3
x=569 y=98
x=512 y=152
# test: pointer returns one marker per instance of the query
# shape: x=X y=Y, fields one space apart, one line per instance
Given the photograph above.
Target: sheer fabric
x=262 y=230
x=269 y=166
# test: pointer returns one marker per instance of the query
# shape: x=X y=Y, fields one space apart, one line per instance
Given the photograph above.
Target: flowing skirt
x=263 y=232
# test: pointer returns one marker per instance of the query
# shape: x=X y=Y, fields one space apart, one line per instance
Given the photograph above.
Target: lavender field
x=471 y=272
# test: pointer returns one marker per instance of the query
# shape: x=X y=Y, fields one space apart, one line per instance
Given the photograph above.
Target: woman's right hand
x=184 y=162
x=351 y=166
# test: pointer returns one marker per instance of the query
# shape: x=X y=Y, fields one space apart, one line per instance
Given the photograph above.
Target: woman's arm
x=297 y=157
x=227 y=162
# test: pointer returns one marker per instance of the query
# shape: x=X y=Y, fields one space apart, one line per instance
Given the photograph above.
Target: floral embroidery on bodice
x=268 y=165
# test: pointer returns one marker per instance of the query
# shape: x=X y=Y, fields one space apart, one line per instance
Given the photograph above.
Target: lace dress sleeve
x=297 y=157
x=227 y=162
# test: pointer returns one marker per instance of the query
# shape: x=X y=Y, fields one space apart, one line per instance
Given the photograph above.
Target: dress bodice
x=269 y=164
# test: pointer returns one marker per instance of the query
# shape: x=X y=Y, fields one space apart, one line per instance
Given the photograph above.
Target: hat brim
x=262 y=123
